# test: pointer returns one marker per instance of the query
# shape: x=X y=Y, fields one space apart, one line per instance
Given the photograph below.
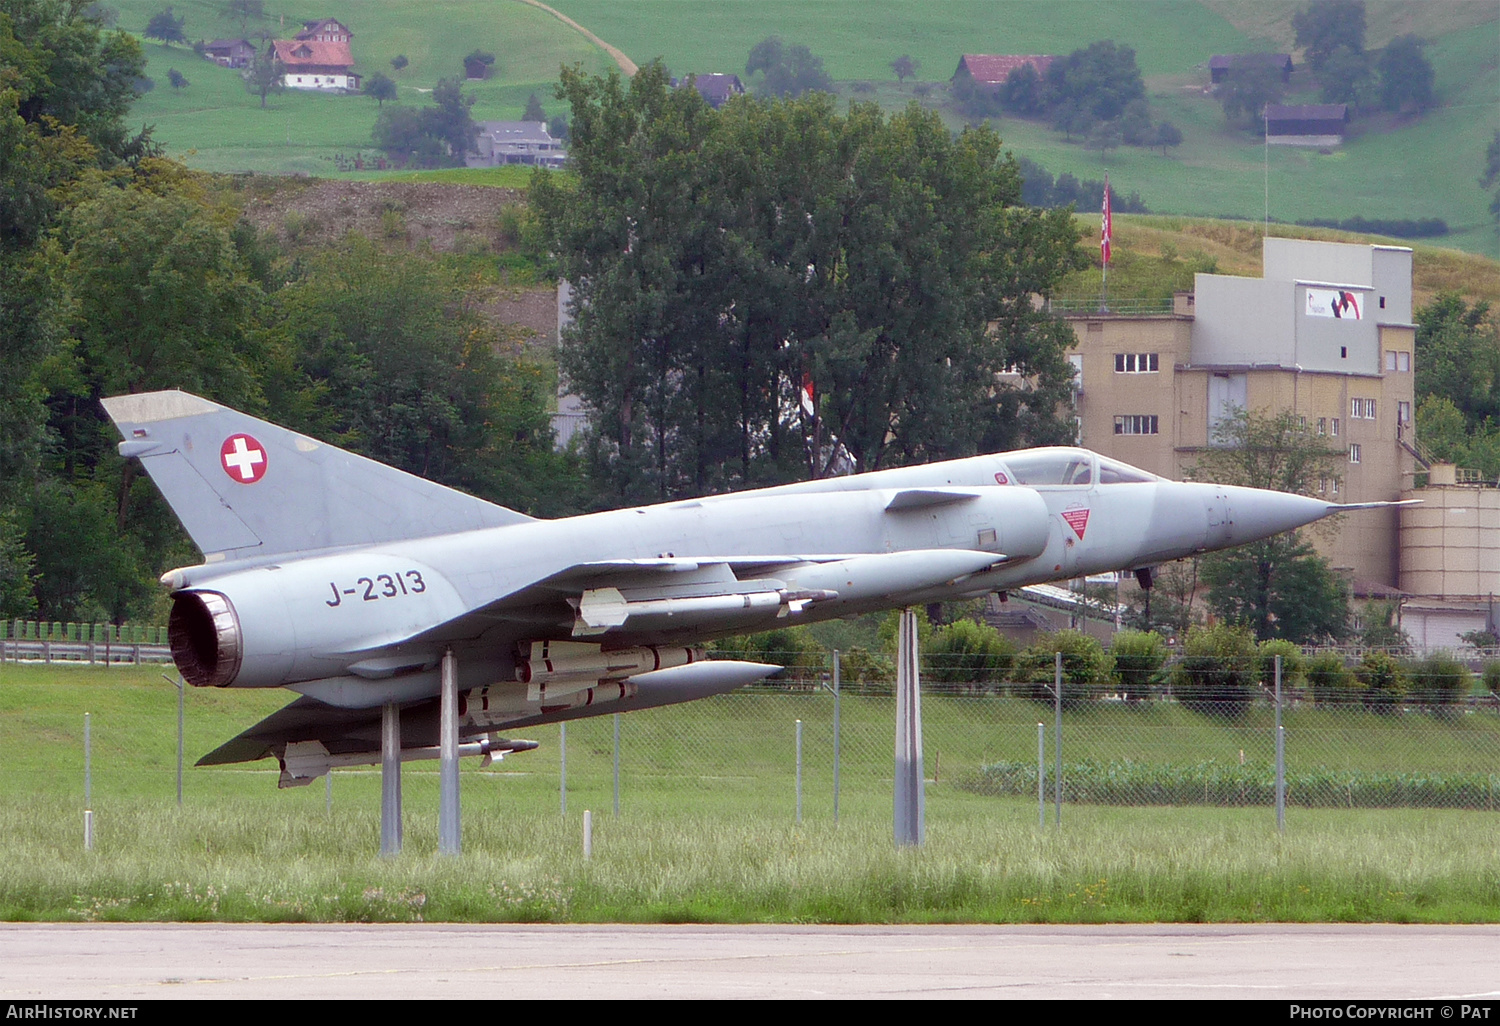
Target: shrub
x=791 y=647
x=1293 y=663
x=871 y=670
x=1139 y=657
x=969 y=653
x=1216 y=674
x=1490 y=678
x=1086 y=667
x=1384 y=680
x=1442 y=679
x=1330 y=681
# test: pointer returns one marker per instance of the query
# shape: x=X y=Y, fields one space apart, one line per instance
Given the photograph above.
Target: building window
x=1403 y=362
x=1322 y=485
x=1301 y=423
x=1362 y=409
x=1322 y=425
x=1390 y=361
x=1136 y=363
x=1403 y=411
x=1335 y=431
x=1136 y=424
x=1354 y=453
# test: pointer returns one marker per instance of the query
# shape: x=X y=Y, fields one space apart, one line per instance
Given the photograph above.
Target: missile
x=546 y=663
x=864 y=578
x=302 y=762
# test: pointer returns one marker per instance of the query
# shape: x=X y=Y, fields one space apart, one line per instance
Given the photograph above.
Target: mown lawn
x=707 y=829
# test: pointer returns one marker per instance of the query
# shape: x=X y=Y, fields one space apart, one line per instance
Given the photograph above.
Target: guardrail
x=93 y=653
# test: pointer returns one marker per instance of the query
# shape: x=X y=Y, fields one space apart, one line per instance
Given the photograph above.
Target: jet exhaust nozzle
x=204 y=633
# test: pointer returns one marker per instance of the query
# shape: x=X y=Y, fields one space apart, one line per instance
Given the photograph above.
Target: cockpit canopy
x=1067 y=466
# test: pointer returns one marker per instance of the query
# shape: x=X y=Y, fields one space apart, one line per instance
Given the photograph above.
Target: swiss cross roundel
x=243 y=458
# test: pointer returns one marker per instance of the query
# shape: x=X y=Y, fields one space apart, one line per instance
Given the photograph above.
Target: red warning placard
x=1078 y=520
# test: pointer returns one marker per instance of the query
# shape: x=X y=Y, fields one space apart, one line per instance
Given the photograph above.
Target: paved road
x=1280 y=962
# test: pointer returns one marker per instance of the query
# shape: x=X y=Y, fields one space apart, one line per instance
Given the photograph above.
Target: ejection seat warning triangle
x=1078 y=520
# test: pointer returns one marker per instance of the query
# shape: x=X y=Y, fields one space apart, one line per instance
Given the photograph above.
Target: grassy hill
x=1390 y=167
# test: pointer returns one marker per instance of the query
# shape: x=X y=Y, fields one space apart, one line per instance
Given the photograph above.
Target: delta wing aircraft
x=347 y=581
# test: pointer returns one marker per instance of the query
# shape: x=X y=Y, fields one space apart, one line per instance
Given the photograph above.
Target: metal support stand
x=617 y=765
x=449 y=832
x=390 y=779
x=910 y=820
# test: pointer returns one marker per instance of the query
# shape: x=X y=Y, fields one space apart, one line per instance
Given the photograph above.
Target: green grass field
x=1427 y=167
x=707 y=829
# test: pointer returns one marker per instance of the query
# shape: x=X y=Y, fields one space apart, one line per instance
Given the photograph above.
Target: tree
x=267 y=75
x=406 y=372
x=1164 y=135
x=904 y=67
x=399 y=61
x=721 y=259
x=1458 y=358
x=435 y=136
x=534 y=111
x=1246 y=91
x=1348 y=76
x=1325 y=25
x=165 y=27
x=786 y=70
x=1100 y=80
x=1278 y=587
x=1022 y=92
x=245 y=10
x=177 y=78
x=1406 y=76
x=381 y=87
x=1216 y=674
x=478 y=64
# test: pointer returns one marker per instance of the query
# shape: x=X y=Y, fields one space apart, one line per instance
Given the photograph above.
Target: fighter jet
x=348 y=581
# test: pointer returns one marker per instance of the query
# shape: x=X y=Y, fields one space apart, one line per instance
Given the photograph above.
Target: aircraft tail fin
x=244 y=488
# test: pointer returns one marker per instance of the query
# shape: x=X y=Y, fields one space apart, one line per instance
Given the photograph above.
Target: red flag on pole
x=1106 y=229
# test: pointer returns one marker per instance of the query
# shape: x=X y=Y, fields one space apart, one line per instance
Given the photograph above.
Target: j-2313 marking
x=389 y=586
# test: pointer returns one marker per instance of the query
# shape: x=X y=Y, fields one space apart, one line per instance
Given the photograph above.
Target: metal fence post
x=1057 y=685
x=835 y=735
x=1280 y=757
x=179 y=685
x=617 y=764
x=88 y=787
x=1041 y=775
x=799 y=771
x=562 y=765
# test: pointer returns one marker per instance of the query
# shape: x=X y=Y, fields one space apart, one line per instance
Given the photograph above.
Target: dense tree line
x=124 y=272
x=726 y=261
x=1332 y=36
x=1095 y=94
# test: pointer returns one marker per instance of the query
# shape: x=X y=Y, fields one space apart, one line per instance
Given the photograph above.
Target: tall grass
x=707 y=827
x=231 y=862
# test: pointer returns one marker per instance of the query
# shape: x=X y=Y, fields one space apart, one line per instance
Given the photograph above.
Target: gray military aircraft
x=347 y=581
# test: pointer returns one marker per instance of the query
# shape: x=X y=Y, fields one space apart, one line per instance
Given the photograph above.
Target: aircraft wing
x=651 y=599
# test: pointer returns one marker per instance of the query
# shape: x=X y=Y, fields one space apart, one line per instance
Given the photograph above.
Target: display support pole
x=910 y=825
x=390 y=779
x=449 y=825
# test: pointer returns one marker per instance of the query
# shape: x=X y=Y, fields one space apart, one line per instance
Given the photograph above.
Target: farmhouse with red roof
x=319 y=58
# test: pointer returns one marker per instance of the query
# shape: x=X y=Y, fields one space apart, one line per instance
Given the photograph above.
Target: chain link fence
x=1355 y=747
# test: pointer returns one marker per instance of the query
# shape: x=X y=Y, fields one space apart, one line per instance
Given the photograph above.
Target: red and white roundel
x=243 y=458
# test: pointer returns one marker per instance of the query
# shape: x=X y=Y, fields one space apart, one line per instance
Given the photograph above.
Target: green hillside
x=216 y=125
x=1389 y=168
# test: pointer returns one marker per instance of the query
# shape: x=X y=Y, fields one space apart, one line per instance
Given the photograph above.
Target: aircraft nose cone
x=1254 y=513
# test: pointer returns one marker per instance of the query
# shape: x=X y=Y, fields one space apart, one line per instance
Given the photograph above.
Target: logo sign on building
x=1339 y=303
